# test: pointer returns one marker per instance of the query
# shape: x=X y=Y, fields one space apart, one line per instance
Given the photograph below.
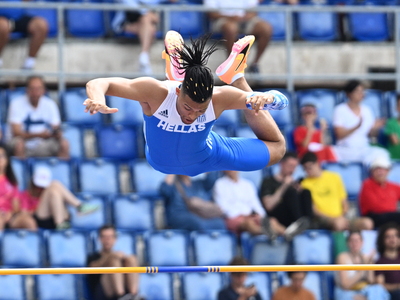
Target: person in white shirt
x=354 y=123
x=34 y=120
x=237 y=197
x=231 y=18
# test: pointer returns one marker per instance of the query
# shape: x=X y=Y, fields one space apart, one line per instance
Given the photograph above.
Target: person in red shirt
x=308 y=137
x=379 y=197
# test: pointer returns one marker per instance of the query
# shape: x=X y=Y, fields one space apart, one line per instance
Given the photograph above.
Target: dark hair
x=199 y=80
x=290 y=274
x=9 y=170
x=351 y=85
x=289 y=154
x=309 y=157
x=106 y=227
x=351 y=232
x=380 y=240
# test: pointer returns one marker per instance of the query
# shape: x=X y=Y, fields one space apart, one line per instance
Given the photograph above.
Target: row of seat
x=314 y=26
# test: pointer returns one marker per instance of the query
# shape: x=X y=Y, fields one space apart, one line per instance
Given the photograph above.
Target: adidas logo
x=164 y=113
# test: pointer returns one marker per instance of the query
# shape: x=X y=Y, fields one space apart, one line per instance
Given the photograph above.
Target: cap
x=380 y=162
x=42 y=177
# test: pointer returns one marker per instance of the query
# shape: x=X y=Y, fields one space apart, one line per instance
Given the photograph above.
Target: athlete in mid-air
x=179 y=112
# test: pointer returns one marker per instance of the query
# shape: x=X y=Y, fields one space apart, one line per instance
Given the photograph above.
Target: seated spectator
x=15 y=20
x=378 y=196
x=354 y=123
x=238 y=200
x=392 y=129
x=237 y=290
x=189 y=205
x=46 y=199
x=308 y=137
x=232 y=22
x=388 y=244
x=35 y=122
x=357 y=285
x=284 y=199
x=295 y=289
x=112 y=286
x=329 y=197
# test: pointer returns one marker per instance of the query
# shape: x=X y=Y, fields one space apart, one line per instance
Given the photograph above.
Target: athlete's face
x=189 y=110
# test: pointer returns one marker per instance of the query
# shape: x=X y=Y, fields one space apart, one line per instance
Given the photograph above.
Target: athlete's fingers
x=110 y=110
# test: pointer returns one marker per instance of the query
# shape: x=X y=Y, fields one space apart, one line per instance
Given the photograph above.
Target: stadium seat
x=228 y=118
x=324 y=100
x=146 y=180
x=85 y=23
x=375 y=101
x=277 y=19
x=260 y=250
x=221 y=130
x=201 y=286
x=351 y=174
x=262 y=281
x=254 y=176
x=391 y=101
x=21 y=248
x=246 y=132
x=90 y=221
x=156 y=286
x=394 y=174
x=72 y=109
x=67 y=248
x=12 y=287
x=20 y=169
x=313 y=247
x=369 y=242
x=213 y=248
x=369 y=26
x=126 y=242
x=60 y=169
x=98 y=177
x=317 y=26
x=187 y=23
x=74 y=136
x=60 y=287
x=174 y=245
x=129 y=111
x=283 y=118
x=50 y=15
x=123 y=145
x=133 y=213
x=313 y=282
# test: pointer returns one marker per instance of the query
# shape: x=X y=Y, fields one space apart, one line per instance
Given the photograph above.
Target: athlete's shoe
x=173 y=41
x=233 y=67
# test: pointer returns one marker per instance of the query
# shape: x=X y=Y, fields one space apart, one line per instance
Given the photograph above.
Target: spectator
x=15 y=20
x=329 y=197
x=357 y=285
x=231 y=18
x=308 y=137
x=392 y=129
x=112 y=286
x=46 y=200
x=238 y=200
x=237 y=290
x=388 y=244
x=295 y=290
x=284 y=199
x=379 y=197
x=35 y=121
x=189 y=205
x=354 y=123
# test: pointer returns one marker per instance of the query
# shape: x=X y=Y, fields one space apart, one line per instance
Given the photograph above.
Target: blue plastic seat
x=133 y=213
x=277 y=19
x=85 y=23
x=283 y=118
x=66 y=248
x=98 y=177
x=213 y=248
x=74 y=136
x=246 y=132
x=369 y=26
x=313 y=247
x=60 y=169
x=146 y=180
x=352 y=176
x=156 y=286
x=254 y=176
x=394 y=174
x=221 y=130
x=72 y=109
x=187 y=23
x=123 y=145
x=125 y=242
x=60 y=287
x=375 y=101
x=324 y=100
x=201 y=286
x=174 y=245
x=50 y=15
x=314 y=282
x=129 y=111
x=262 y=281
x=12 y=287
x=317 y=26
x=369 y=241
x=391 y=101
x=90 y=221
x=20 y=169
x=259 y=250
x=21 y=248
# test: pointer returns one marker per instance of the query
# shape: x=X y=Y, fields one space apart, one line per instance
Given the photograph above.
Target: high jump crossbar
x=207 y=269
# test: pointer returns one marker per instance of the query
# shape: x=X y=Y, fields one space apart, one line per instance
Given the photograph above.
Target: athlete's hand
x=94 y=107
x=257 y=100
